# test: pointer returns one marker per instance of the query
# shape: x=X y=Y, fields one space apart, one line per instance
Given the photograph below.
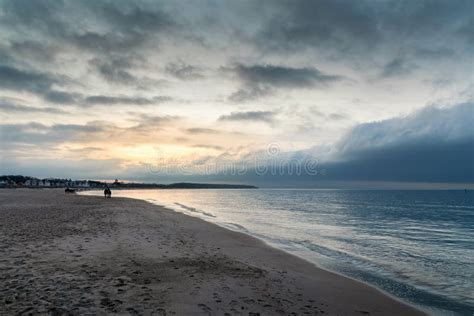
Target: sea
x=415 y=245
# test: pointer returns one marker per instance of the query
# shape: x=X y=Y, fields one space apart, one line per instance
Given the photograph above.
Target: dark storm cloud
x=42 y=83
x=42 y=15
x=423 y=162
x=299 y=24
x=429 y=125
x=260 y=80
x=434 y=144
x=39 y=83
x=348 y=27
x=105 y=26
x=129 y=27
x=137 y=19
x=257 y=116
x=353 y=29
x=281 y=76
x=112 y=31
x=12 y=78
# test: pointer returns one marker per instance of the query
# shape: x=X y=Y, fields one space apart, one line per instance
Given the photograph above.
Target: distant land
x=19 y=181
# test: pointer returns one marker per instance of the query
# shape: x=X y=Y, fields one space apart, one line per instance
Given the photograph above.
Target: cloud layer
x=181 y=78
x=433 y=144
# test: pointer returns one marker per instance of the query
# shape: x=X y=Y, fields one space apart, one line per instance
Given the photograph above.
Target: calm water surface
x=416 y=245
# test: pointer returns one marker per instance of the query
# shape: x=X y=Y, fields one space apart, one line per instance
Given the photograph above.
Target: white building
x=44 y=183
x=32 y=182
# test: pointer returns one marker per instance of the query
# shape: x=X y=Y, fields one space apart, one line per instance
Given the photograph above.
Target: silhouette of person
x=107 y=193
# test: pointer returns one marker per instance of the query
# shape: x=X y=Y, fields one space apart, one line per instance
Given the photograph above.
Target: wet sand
x=64 y=253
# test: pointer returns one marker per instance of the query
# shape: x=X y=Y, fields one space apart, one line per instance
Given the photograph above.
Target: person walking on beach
x=107 y=193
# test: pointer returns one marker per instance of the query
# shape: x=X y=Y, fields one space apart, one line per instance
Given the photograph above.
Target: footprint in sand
x=205 y=308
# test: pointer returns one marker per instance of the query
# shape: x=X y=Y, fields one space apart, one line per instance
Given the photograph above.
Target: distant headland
x=19 y=181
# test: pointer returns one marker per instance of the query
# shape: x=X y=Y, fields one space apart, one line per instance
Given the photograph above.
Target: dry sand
x=89 y=255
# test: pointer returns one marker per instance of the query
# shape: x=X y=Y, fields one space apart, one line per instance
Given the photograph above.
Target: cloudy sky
x=360 y=90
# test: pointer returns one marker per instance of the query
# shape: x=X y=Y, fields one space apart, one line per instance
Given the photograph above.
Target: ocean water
x=415 y=245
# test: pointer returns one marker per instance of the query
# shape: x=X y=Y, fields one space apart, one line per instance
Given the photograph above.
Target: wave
x=194 y=210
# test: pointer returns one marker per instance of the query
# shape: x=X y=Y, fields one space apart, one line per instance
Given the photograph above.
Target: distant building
x=82 y=184
x=32 y=183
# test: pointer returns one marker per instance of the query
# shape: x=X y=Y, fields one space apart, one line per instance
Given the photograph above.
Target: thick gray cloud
x=105 y=26
x=344 y=27
x=299 y=24
x=61 y=97
x=397 y=67
x=115 y=70
x=280 y=76
x=136 y=22
x=120 y=70
x=260 y=80
x=111 y=31
x=434 y=144
x=12 y=78
x=37 y=134
x=112 y=100
x=430 y=125
x=39 y=83
x=33 y=49
x=257 y=116
x=398 y=32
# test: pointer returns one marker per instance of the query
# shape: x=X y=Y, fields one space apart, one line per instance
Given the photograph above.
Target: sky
x=267 y=92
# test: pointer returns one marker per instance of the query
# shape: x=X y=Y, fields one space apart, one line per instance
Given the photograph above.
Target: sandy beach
x=65 y=253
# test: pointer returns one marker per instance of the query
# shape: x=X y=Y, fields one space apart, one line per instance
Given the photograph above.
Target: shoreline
x=287 y=253
x=120 y=251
